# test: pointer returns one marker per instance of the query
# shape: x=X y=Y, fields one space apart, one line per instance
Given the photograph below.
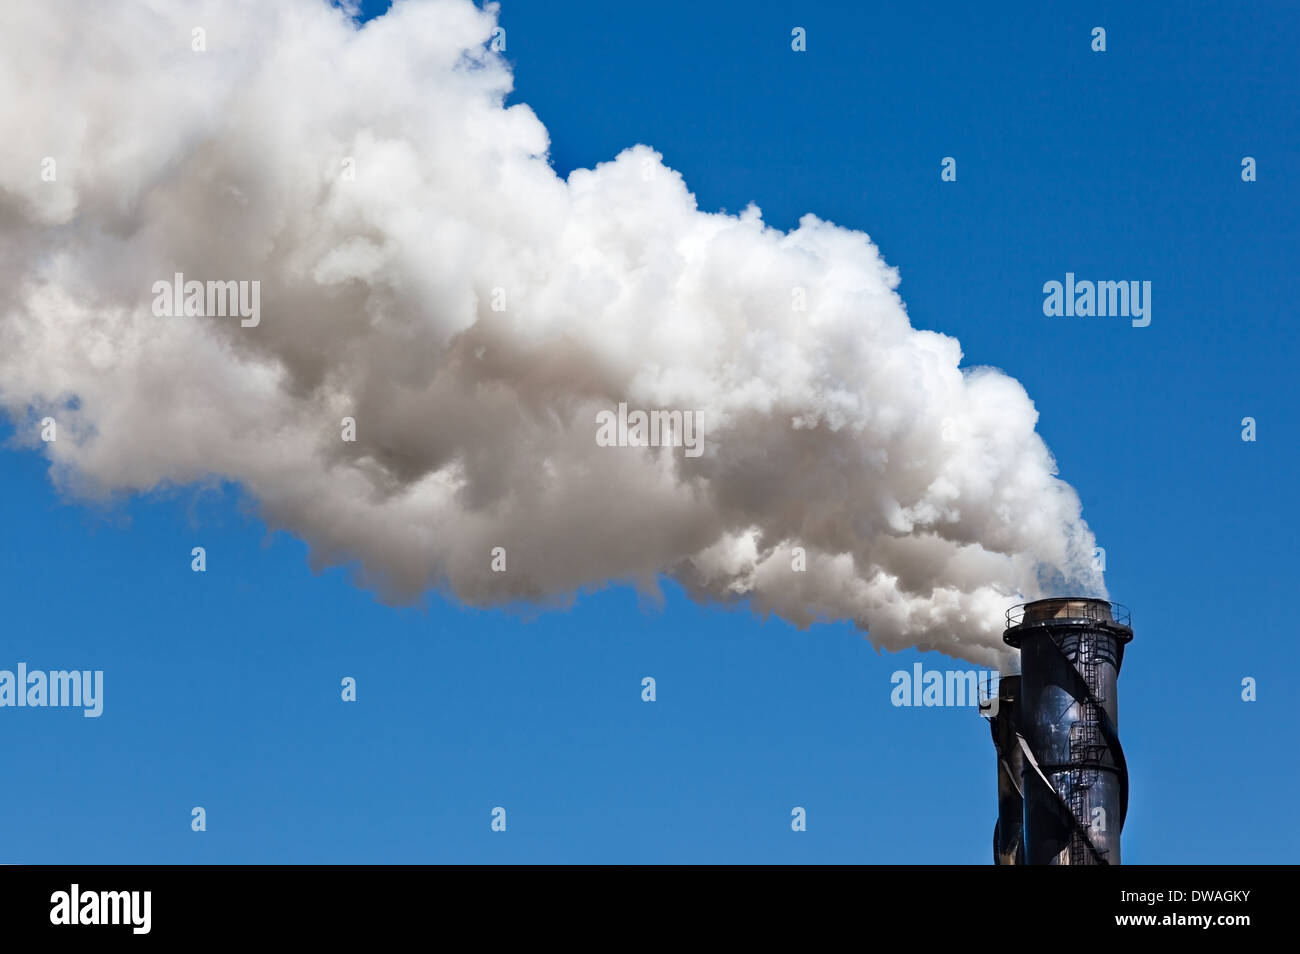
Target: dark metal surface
x=1008 y=840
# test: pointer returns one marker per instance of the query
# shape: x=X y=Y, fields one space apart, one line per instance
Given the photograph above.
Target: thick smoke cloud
x=474 y=313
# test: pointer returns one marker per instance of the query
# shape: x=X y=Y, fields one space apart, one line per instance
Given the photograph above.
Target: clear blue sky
x=222 y=689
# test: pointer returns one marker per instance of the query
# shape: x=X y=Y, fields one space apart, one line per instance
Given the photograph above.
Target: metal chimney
x=1008 y=831
x=1060 y=720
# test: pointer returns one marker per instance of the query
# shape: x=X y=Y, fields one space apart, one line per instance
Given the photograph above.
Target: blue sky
x=222 y=689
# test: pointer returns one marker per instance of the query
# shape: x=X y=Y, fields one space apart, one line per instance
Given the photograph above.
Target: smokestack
x=1055 y=729
x=1008 y=831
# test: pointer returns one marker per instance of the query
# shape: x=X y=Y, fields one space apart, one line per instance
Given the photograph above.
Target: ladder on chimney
x=1087 y=747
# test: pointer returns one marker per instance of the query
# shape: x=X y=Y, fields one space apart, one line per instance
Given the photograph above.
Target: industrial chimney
x=1062 y=781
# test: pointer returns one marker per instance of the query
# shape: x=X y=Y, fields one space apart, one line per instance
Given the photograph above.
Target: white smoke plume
x=473 y=312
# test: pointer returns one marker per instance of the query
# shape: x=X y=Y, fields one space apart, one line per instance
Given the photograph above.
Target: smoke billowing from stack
x=1062 y=780
x=424 y=272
